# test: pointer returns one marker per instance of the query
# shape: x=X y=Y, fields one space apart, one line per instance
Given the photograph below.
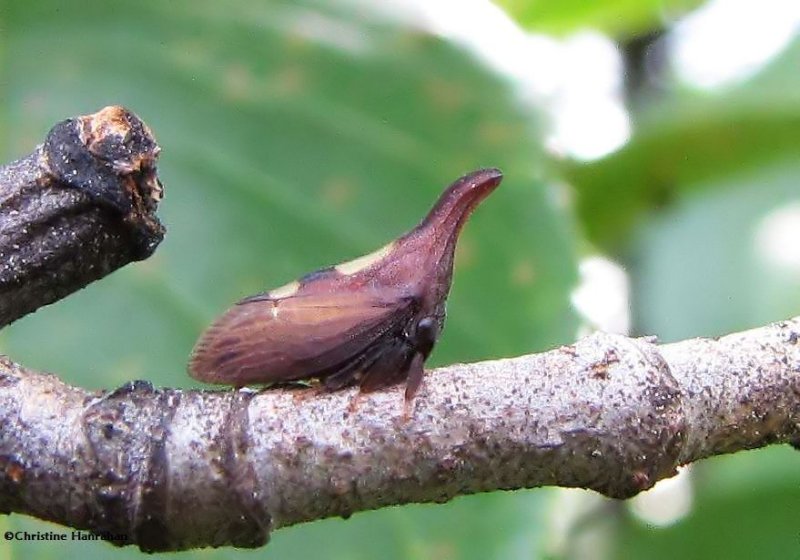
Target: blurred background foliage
x=301 y=134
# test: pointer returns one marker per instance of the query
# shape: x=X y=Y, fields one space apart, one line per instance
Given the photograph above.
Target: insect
x=372 y=321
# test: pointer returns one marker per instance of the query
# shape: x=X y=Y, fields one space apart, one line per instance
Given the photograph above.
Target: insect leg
x=346 y=376
x=390 y=368
x=423 y=341
x=415 y=372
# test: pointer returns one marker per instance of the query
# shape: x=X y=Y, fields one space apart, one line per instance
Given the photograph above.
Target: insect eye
x=427 y=329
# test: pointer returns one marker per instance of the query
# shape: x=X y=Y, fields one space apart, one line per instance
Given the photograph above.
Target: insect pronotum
x=370 y=322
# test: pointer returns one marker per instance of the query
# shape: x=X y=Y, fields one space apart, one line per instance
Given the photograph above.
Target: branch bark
x=79 y=207
x=172 y=469
x=168 y=469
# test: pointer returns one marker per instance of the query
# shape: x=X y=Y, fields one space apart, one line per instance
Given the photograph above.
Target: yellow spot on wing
x=285 y=291
x=356 y=265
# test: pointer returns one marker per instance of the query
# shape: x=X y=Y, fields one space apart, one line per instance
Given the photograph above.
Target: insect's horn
x=459 y=200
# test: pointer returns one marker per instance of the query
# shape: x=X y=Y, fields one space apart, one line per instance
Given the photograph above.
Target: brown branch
x=172 y=470
x=79 y=207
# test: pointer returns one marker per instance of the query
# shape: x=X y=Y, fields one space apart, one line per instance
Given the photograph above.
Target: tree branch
x=172 y=469
x=79 y=207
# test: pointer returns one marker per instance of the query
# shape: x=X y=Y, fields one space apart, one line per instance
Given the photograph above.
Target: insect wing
x=265 y=340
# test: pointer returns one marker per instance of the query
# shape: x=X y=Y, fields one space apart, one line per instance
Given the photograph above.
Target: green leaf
x=702 y=268
x=686 y=142
x=618 y=18
x=294 y=136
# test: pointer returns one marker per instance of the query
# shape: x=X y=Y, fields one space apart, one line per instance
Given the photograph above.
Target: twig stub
x=111 y=156
x=79 y=207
